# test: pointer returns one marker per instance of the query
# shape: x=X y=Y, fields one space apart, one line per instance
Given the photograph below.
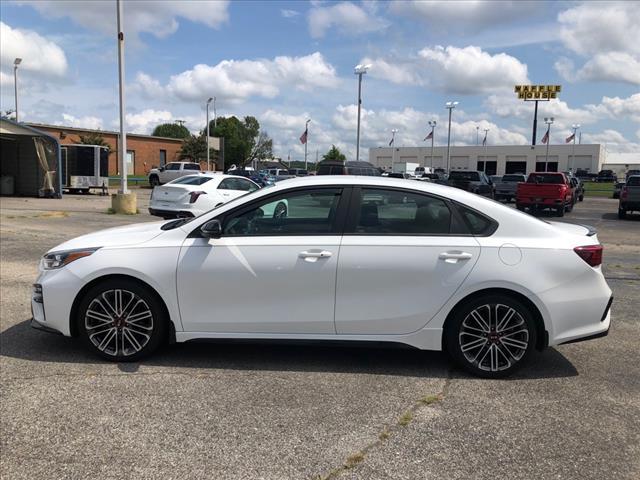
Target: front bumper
x=164 y=213
x=43 y=328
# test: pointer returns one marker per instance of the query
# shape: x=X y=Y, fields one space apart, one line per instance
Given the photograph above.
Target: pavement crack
x=111 y=374
x=388 y=431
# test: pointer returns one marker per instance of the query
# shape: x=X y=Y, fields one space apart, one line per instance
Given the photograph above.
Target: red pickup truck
x=545 y=190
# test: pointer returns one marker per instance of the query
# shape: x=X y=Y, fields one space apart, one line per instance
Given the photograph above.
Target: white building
x=496 y=159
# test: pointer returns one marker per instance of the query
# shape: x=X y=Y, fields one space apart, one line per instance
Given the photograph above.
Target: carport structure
x=30 y=161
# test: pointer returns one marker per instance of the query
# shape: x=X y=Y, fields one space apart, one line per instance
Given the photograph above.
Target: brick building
x=143 y=151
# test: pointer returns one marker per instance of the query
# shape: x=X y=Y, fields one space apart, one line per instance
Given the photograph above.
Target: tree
x=94 y=138
x=241 y=140
x=171 y=130
x=334 y=154
x=194 y=148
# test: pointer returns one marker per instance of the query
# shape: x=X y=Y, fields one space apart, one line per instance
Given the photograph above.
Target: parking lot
x=238 y=411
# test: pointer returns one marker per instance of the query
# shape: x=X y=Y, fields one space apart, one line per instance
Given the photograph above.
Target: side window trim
x=339 y=222
x=457 y=220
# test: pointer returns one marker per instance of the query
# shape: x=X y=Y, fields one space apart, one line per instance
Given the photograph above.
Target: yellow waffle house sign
x=537 y=92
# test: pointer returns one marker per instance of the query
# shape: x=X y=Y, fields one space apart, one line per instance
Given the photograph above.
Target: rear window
x=633 y=181
x=477 y=223
x=471 y=176
x=331 y=170
x=513 y=178
x=191 y=180
x=191 y=166
x=545 y=178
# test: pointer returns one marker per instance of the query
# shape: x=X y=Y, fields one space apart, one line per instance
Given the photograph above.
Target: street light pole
x=123 y=135
x=574 y=127
x=359 y=70
x=432 y=124
x=486 y=144
x=208 y=162
x=548 y=121
x=393 y=142
x=215 y=114
x=477 y=135
x=16 y=62
x=450 y=106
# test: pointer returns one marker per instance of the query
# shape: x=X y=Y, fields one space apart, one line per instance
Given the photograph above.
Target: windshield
x=513 y=178
x=459 y=175
x=633 y=181
x=191 y=180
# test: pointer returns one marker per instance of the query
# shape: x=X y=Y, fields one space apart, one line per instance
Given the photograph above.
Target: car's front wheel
x=491 y=336
x=121 y=320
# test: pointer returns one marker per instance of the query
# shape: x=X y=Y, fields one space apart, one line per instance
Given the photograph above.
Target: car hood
x=114 y=237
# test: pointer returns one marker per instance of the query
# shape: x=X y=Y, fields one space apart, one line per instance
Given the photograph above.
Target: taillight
x=194 y=196
x=624 y=193
x=592 y=254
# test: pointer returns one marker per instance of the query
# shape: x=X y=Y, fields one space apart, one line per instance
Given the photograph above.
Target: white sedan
x=357 y=258
x=192 y=195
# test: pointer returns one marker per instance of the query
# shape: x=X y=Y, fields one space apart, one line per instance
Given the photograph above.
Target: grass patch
x=111 y=211
x=405 y=419
x=353 y=460
x=593 y=189
x=429 y=399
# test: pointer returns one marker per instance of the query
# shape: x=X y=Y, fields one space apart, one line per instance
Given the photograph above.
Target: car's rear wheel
x=622 y=213
x=491 y=336
x=560 y=211
x=121 y=320
x=280 y=211
x=154 y=181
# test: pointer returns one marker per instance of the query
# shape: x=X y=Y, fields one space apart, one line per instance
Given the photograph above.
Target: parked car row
x=629 y=197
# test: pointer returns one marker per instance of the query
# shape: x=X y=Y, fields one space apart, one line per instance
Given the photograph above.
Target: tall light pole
x=477 y=135
x=450 y=106
x=574 y=127
x=548 y=121
x=359 y=70
x=432 y=124
x=486 y=143
x=393 y=142
x=208 y=163
x=123 y=134
x=306 y=129
x=215 y=114
x=16 y=62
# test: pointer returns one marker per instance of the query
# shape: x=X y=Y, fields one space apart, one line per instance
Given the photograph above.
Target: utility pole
x=432 y=124
x=450 y=106
x=16 y=62
x=359 y=70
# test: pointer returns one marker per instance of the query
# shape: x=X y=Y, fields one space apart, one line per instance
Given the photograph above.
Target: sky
x=286 y=62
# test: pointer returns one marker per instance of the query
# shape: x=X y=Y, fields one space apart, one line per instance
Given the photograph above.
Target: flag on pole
x=303 y=137
x=570 y=138
x=428 y=136
x=484 y=141
x=391 y=142
x=545 y=139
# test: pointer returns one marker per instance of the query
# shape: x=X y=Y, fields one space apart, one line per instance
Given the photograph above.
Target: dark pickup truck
x=474 y=182
x=629 y=197
x=545 y=190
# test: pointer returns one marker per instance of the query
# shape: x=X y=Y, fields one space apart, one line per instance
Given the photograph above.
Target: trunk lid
x=174 y=193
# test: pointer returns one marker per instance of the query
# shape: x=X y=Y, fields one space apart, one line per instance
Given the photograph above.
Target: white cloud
x=39 y=55
x=90 y=122
x=236 y=80
x=615 y=142
x=618 y=108
x=607 y=34
x=346 y=17
x=467 y=70
x=464 y=16
x=156 y=17
x=145 y=121
x=289 y=13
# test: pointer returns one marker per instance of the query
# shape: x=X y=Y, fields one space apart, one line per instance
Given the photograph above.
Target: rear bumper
x=630 y=206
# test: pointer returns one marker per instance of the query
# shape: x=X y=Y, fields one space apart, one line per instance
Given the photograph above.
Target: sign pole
x=535 y=125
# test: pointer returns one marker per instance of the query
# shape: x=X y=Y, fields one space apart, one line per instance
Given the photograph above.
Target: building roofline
x=30 y=127
x=110 y=132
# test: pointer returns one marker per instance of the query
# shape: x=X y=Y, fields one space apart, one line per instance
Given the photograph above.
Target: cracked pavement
x=238 y=411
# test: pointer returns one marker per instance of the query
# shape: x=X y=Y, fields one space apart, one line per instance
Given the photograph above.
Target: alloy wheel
x=119 y=322
x=493 y=337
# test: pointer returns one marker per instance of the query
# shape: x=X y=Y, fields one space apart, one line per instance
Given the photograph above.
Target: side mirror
x=161 y=169
x=212 y=229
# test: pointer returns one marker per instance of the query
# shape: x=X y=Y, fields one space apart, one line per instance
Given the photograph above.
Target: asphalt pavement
x=250 y=411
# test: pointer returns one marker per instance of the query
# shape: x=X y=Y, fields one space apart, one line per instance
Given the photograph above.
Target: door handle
x=453 y=257
x=310 y=256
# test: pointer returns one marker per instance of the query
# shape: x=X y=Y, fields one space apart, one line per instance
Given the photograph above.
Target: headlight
x=55 y=260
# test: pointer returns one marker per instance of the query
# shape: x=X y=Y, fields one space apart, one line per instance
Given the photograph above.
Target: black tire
x=622 y=214
x=581 y=198
x=99 y=326
x=154 y=181
x=520 y=207
x=560 y=211
x=280 y=211
x=570 y=206
x=512 y=346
